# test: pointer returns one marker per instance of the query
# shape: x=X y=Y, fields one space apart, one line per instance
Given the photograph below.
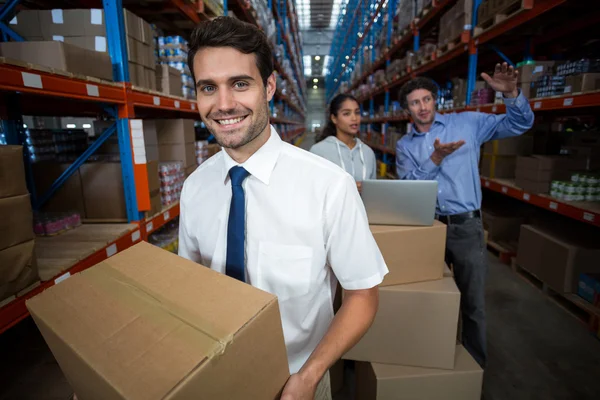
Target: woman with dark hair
x=339 y=142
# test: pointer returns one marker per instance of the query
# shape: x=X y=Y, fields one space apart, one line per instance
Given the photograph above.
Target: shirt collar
x=439 y=119
x=261 y=163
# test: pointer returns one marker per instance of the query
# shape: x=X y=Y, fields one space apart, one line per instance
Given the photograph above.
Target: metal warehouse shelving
x=471 y=40
x=79 y=95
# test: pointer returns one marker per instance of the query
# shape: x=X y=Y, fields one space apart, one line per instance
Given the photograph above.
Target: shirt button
x=439 y=191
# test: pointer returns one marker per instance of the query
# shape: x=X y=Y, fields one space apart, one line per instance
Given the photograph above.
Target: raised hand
x=504 y=80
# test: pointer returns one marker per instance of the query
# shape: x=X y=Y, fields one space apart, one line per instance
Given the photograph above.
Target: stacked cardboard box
x=86 y=29
x=188 y=333
x=530 y=73
x=557 y=258
x=18 y=267
x=502 y=227
x=176 y=142
x=455 y=21
x=168 y=80
x=415 y=329
x=535 y=174
x=500 y=156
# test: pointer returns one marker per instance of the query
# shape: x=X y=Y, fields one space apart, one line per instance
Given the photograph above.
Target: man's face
x=232 y=99
x=421 y=105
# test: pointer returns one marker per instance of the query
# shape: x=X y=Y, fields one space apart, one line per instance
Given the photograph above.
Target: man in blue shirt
x=445 y=148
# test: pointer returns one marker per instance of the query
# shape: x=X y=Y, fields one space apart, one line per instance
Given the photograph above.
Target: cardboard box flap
x=144 y=319
x=397 y=228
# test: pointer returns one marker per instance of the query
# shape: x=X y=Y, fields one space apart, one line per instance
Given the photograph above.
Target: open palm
x=504 y=79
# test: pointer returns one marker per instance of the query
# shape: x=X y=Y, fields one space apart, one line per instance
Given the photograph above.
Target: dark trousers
x=465 y=250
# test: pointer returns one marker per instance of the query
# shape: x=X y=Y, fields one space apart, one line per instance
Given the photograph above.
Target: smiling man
x=445 y=148
x=275 y=216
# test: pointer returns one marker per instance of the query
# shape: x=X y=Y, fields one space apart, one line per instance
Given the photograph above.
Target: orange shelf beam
x=154 y=223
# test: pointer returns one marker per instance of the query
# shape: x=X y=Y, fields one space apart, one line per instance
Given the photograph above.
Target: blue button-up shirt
x=459 y=185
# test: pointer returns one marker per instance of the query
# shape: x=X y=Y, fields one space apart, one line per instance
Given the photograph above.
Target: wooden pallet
x=504 y=251
x=509 y=9
x=573 y=304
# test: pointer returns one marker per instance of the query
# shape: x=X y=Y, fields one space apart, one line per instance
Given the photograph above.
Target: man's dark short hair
x=231 y=32
x=415 y=84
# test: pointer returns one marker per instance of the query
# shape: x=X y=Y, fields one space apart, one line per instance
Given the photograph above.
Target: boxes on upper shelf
x=396 y=382
x=412 y=253
x=168 y=80
x=172 y=334
x=534 y=174
x=416 y=324
x=557 y=258
x=514 y=146
x=61 y=56
x=498 y=166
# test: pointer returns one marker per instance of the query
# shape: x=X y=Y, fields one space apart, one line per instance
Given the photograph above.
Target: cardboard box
x=412 y=253
x=175 y=131
x=589 y=288
x=103 y=193
x=133 y=332
x=395 y=382
x=12 y=172
x=582 y=83
x=93 y=43
x=149 y=78
x=69 y=197
x=493 y=166
x=502 y=227
x=415 y=325
x=61 y=56
x=18 y=268
x=185 y=152
x=531 y=186
x=16 y=221
x=531 y=72
x=155 y=202
x=168 y=80
x=153 y=178
x=27 y=24
x=556 y=258
x=514 y=146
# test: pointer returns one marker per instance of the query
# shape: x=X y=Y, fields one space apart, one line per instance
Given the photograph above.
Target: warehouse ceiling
x=317 y=19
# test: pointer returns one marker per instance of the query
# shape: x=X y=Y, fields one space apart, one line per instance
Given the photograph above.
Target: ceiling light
x=315 y=87
x=347 y=57
x=87 y=126
x=315 y=80
x=71 y=126
x=335 y=80
x=343 y=65
x=317 y=58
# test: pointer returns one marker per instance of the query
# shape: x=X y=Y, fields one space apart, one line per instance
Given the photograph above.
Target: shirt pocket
x=284 y=270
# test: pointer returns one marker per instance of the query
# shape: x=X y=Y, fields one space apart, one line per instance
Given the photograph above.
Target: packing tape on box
x=127 y=291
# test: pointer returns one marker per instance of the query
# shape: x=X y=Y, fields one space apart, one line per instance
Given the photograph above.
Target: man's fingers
x=504 y=67
x=498 y=68
x=486 y=77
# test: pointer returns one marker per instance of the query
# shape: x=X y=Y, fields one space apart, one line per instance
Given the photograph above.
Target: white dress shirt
x=305 y=226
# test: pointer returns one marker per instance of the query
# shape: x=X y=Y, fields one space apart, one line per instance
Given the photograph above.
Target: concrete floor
x=537 y=350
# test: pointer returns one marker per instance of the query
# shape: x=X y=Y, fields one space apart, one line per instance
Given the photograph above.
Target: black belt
x=458 y=219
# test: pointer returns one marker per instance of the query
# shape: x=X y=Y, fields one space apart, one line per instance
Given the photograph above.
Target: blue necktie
x=236 y=232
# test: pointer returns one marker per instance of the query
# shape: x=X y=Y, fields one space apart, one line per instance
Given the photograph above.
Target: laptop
x=398 y=202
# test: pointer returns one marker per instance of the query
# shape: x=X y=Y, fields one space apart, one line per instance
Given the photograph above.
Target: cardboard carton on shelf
x=416 y=325
x=61 y=56
x=502 y=228
x=18 y=268
x=192 y=332
x=175 y=131
x=396 y=382
x=16 y=221
x=557 y=258
x=168 y=80
x=498 y=166
x=155 y=202
x=412 y=253
x=12 y=172
x=103 y=194
x=185 y=152
x=514 y=146
x=582 y=83
x=153 y=178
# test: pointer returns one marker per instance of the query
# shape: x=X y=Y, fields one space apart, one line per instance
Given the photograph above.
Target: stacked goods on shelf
x=589 y=288
x=286 y=64
x=459 y=92
x=154 y=187
x=201 y=151
x=168 y=80
x=84 y=31
x=173 y=52
x=482 y=95
x=535 y=174
x=265 y=19
x=176 y=142
x=172 y=175
x=530 y=72
x=167 y=238
x=558 y=255
x=502 y=227
x=405 y=13
x=422 y=6
x=541 y=79
x=499 y=158
x=581 y=75
x=178 y=339
x=417 y=299
x=69 y=196
x=425 y=53
x=62 y=145
x=18 y=266
x=453 y=23
x=50 y=224
x=581 y=187
x=61 y=57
